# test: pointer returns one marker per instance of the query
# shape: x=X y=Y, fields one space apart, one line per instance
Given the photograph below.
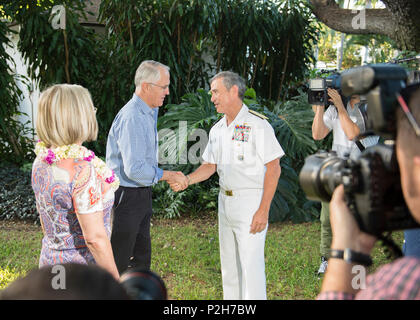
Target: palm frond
x=177 y=127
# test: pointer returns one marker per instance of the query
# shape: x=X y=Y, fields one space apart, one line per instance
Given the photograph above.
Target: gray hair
x=148 y=71
x=231 y=79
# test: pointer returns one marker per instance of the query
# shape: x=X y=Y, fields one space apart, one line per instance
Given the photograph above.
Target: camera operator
x=346 y=124
x=401 y=278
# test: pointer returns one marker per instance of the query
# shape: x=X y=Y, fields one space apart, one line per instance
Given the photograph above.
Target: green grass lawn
x=186 y=255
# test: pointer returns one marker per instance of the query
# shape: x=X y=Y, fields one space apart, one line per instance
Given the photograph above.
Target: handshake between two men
x=178 y=181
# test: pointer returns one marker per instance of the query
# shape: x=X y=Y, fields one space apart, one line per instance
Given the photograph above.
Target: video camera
x=372 y=182
x=318 y=94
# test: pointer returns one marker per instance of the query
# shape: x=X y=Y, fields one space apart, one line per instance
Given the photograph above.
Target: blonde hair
x=66 y=115
x=149 y=71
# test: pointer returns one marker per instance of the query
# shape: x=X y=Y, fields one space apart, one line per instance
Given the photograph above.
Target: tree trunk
x=191 y=58
x=283 y=73
x=406 y=17
x=271 y=80
x=178 y=44
x=219 y=50
x=130 y=32
x=66 y=50
x=254 y=73
x=13 y=141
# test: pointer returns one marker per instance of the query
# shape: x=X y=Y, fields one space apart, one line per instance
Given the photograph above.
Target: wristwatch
x=351 y=256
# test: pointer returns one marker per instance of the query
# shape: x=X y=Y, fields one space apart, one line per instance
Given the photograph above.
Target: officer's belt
x=231 y=193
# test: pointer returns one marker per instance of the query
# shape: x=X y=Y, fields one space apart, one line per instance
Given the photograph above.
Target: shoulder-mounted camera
x=317 y=93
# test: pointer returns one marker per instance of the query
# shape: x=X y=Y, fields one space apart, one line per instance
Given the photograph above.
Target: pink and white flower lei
x=75 y=151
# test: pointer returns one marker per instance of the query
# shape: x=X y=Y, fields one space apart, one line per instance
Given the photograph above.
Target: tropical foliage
x=15 y=143
x=194 y=38
x=253 y=38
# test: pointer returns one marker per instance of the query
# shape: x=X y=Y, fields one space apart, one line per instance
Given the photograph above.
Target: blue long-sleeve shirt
x=132 y=146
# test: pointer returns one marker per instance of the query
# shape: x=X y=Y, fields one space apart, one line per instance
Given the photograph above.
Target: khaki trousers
x=326 y=233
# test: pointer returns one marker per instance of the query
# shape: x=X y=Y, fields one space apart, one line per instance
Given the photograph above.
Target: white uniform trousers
x=241 y=253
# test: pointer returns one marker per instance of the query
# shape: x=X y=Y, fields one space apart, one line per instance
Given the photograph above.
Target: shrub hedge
x=17 y=199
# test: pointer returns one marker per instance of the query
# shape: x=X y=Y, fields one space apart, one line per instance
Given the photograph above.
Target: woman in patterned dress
x=73 y=196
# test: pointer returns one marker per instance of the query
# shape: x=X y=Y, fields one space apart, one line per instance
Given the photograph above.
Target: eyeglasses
x=162 y=87
x=409 y=115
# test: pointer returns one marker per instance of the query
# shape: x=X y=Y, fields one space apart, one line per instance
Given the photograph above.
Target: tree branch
x=371 y=21
x=400 y=20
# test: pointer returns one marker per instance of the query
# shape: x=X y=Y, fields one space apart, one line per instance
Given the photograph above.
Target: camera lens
x=320 y=175
x=143 y=285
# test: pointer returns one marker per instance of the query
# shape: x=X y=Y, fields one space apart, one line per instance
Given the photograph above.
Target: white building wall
x=30 y=91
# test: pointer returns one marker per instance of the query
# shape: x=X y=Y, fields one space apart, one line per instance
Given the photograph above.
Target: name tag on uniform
x=241 y=133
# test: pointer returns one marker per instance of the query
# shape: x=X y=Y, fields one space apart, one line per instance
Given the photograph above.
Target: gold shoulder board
x=217 y=121
x=259 y=115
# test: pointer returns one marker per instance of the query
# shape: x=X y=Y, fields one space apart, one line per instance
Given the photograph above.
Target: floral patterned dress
x=61 y=190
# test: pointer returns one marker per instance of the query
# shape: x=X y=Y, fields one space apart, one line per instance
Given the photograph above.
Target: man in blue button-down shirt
x=132 y=152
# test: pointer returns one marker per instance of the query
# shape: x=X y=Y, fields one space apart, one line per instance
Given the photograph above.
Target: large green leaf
x=196 y=111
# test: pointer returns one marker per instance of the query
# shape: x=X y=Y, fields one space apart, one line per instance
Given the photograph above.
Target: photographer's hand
x=346 y=234
x=336 y=100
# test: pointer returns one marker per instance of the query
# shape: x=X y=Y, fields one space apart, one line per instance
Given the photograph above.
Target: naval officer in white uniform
x=245 y=153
